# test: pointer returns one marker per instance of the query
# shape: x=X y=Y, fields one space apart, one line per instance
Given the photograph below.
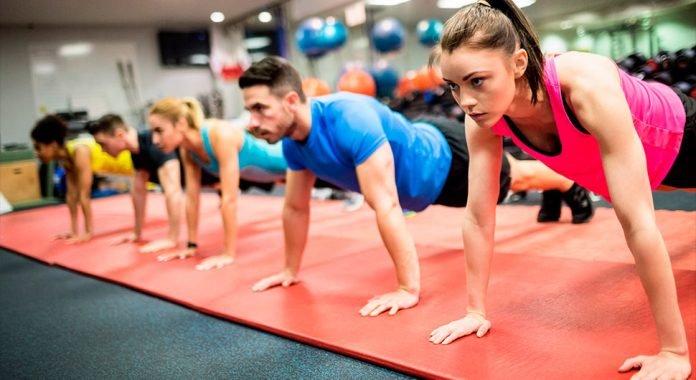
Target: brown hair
x=495 y=24
x=107 y=124
x=276 y=73
x=174 y=109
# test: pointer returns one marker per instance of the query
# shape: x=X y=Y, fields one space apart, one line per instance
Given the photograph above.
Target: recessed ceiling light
x=385 y=3
x=217 y=17
x=265 y=17
x=454 y=4
x=72 y=50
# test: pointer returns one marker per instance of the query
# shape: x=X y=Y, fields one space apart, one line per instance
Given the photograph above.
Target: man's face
x=271 y=117
x=112 y=144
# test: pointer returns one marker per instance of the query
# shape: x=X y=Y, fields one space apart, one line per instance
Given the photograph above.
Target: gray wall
x=18 y=108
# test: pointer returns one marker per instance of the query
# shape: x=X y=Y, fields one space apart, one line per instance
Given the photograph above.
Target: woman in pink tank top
x=581 y=116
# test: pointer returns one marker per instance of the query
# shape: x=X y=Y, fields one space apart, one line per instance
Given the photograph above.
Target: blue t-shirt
x=259 y=161
x=347 y=128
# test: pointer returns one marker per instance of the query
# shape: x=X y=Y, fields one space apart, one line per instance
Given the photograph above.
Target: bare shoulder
x=226 y=134
x=577 y=70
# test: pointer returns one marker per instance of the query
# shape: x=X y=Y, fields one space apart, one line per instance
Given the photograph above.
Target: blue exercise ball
x=310 y=37
x=429 y=32
x=386 y=78
x=387 y=35
x=335 y=34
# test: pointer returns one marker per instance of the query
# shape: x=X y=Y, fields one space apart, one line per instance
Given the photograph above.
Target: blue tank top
x=348 y=128
x=259 y=161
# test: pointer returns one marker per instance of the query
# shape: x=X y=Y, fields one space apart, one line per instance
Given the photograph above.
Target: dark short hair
x=48 y=129
x=106 y=124
x=276 y=73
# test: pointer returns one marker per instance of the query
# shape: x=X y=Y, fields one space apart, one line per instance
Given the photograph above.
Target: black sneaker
x=578 y=199
x=550 y=206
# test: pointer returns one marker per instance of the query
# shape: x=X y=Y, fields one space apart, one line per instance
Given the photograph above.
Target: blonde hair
x=174 y=109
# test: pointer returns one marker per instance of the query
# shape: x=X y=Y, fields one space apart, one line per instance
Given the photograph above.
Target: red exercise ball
x=357 y=81
x=315 y=87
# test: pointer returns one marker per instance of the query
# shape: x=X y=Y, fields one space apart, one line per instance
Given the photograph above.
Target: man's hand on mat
x=79 y=239
x=400 y=299
x=183 y=254
x=471 y=323
x=158 y=245
x=215 y=262
x=665 y=365
x=284 y=278
x=125 y=239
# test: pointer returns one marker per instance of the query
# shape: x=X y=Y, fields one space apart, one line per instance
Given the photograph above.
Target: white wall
x=18 y=109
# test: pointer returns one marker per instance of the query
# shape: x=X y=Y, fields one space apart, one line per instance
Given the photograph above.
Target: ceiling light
x=72 y=50
x=524 y=3
x=454 y=4
x=265 y=17
x=217 y=17
x=385 y=3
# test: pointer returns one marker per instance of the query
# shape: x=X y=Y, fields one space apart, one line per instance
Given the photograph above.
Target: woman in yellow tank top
x=81 y=158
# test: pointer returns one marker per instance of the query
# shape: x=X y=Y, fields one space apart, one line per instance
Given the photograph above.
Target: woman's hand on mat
x=158 y=245
x=183 y=254
x=400 y=299
x=285 y=279
x=79 y=239
x=665 y=365
x=125 y=239
x=471 y=323
x=215 y=262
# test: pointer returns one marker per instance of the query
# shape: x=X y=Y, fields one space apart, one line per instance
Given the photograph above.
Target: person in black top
x=150 y=164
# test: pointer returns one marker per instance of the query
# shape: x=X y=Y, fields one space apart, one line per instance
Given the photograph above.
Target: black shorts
x=456 y=189
x=682 y=175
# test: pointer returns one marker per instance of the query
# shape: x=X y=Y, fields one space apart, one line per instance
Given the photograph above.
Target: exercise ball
x=357 y=81
x=406 y=84
x=310 y=37
x=315 y=87
x=429 y=32
x=387 y=35
x=386 y=78
x=335 y=34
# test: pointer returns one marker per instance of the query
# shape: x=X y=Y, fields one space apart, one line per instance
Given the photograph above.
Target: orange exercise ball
x=407 y=84
x=357 y=81
x=315 y=87
x=427 y=78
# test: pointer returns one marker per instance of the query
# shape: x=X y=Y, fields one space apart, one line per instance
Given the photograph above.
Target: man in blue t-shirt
x=150 y=164
x=358 y=144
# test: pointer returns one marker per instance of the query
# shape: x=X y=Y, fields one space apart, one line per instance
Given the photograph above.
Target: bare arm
x=227 y=142
x=478 y=227
x=602 y=109
x=71 y=198
x=298 y=190
x=139 y=196
x=170 y=179
x=83 y=172
x=378 y=185
x=193 y=194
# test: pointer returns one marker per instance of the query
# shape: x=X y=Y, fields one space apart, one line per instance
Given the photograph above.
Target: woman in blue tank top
x=220 y=148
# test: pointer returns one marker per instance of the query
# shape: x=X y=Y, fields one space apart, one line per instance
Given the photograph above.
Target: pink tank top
x=658 y=116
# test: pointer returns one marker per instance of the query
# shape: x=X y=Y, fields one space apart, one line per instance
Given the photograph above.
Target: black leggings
x=455 y=192
x=682 y=175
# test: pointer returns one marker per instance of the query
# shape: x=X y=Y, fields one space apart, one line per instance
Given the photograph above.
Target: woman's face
x=46 y=152
x=482 y=81
x=165 y=134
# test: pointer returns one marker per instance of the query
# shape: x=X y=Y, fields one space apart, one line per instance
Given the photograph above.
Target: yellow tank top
x=102 y=162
